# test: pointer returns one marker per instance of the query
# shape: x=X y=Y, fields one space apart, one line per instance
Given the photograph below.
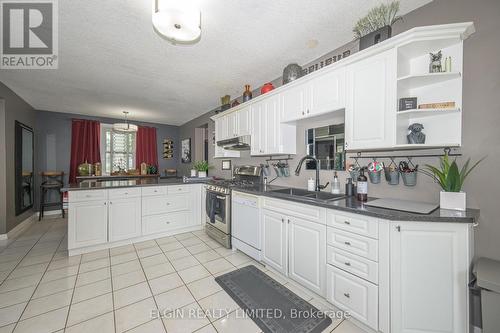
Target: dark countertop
x=114 y=177
x=140 y=182
x=352 y=205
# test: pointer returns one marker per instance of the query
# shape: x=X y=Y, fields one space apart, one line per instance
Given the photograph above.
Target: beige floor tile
x=238 y=259
x=299 y=291
x=154 y=326
x=204 y=287
x=91 y=290
x=93 y=276
x=94 y=265
x=198 y=248
x=348 y=327
x=134 y=315
x=64 y=262
x=52 y=287
x=191 y=241
x=224 y=252
x=121 y=258
x=145 y=244
x=126 y=267
x=132 y=294
x=184 y=263
x=175 y=245
x=45 y=323
x=193 y=273
x=22 y=282
x=95 y=255
x=207 y=256
x=102 y=324
x=174 y=299
x=154 y=260
x=187 y=320
x=150 y=251
x=11 y=313
x=218 y=305
x=207 y=329
x=177 y=254
x=164 y=283
x=158 y=270
x=28 y=270
x=166 y=240
x=218 y=265
x=48 y=303
x=235 y=322
x=32 y=260
x=122 y=249
x=89 y=309
x=16 y=296
x=59 y=273
x=128 y=279
x=7 y=328
x=184 y=236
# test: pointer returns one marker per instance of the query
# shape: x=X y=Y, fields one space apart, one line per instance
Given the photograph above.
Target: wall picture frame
x=186 y=150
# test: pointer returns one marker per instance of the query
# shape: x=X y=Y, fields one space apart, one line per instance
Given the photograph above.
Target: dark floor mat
x=273 y=307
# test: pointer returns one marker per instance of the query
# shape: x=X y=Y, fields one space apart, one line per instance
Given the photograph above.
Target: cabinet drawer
x=352 y=243
x=178 y=189
x=164 y=204
x=163 y=223
x=352 y=263
x=359 y=224
x=77 y=196
x=308 y=212
x=123 y=193
x=154 y=190
x=352 y=294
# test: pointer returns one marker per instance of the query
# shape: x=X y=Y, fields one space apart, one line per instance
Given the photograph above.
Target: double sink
x=309 y=196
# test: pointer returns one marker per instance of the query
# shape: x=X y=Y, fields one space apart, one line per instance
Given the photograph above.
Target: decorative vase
x=247 y=94
x=291 y=73
x=85 y=169
x=235 y=103
x=452 y=200
x=266 y=88
x=193 y=173
x=202 y=174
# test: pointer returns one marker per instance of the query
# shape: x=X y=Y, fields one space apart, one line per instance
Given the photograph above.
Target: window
x=117 y=149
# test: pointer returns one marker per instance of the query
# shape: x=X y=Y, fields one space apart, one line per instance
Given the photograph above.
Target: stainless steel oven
x=218 y=214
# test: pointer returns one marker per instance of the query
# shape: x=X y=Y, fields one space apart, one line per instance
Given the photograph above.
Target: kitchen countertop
x=352 y=205
x=111 y=184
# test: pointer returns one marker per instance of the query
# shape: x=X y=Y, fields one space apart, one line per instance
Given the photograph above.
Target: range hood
x=238 y=143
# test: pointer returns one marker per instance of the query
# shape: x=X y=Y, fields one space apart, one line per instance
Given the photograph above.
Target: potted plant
x=202 y=168
x=376 y=25
x=451 y=180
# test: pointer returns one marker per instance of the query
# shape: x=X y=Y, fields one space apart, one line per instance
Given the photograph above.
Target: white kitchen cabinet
x=221 y=128
x=258 y=139
x=293 y=103
x=243 y=123
x=124 y=218
x=232 y=125
x=371 y=102
x=88 y=223
x=429 y=277
x=307 y=248
x=274 y=241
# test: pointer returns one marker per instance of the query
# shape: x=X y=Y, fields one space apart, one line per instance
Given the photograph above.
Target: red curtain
x=146 y=149
x=85 y=145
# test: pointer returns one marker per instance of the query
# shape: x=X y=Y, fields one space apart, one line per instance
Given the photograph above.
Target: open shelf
x=419 y=80
x=427 y=112
x=426 y=146
x=423 y=47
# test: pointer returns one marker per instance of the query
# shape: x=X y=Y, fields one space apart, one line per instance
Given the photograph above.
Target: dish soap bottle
x=362 y=188
x=335 y=184
x=311 y=186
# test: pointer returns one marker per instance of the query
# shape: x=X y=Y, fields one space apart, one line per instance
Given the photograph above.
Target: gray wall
x=53 y=135
x=480 y=120
x=15 y=108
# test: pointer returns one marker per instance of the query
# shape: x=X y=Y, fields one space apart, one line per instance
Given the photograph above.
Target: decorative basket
x=375 y=176
x=409 y=178
x=391 y=173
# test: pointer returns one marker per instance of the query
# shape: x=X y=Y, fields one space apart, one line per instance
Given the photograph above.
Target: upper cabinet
x=371 y=102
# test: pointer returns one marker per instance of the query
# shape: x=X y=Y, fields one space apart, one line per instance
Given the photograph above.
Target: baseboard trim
x=18 y=229
x=49 y=212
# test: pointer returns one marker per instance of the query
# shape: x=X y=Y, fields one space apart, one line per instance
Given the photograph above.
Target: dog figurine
x=416 y=136
x=435 y=64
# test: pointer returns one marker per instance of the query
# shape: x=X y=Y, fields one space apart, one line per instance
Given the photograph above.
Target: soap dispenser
x=311 y=185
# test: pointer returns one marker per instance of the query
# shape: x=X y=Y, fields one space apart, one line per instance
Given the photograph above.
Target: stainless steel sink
x=308 y=195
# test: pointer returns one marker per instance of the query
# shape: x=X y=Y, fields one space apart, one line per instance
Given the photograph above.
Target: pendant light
x=125 y=127
x=178 y=21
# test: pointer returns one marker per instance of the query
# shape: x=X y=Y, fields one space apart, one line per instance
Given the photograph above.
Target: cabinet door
x=274 y=242
x=258 y=128
x=221 y=130
x=371 y=102
x=232 y=126
x=272 y=125
x=243 y=121
x=326 y=93
x=429 y=275
x=88 y=224
x=124 y=218
x=307 y=259
x=293 y=103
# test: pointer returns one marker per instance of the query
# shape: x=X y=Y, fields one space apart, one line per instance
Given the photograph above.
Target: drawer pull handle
x=88 y=196
x=168 y=203
x=347 y=222
x=347 y=263
x=126 y=193
x=168 y=222
x=347 y=243
x=347 y=295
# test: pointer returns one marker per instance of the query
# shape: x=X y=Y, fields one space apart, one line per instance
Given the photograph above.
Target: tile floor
x=121 y=289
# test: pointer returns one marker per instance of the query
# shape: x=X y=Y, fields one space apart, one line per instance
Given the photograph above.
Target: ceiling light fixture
x=179 y=21
x=125 y=127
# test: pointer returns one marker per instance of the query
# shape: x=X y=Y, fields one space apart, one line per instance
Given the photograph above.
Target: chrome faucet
x=297 y=171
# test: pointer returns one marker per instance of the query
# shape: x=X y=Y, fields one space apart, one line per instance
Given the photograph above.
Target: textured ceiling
x=112 y=60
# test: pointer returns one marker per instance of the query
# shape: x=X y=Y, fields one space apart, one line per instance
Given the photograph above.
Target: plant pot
x=409 y=178
x=452 y=200
x=193 y=173
x=202 y=174
x=375 y=176
x=375 y=37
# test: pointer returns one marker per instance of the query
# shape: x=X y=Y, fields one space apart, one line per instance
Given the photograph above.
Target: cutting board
x=404 y=205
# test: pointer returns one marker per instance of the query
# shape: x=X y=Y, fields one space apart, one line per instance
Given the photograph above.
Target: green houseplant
x=451 y=179
x=202 y=168
x=377 y=18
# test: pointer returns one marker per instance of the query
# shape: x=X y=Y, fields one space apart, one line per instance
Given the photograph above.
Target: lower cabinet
x=296 y=248
x=165 y=222
x=124 y=218
x=88 y=223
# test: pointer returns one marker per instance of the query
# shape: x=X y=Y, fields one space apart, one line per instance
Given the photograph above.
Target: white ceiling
x=110 y=59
